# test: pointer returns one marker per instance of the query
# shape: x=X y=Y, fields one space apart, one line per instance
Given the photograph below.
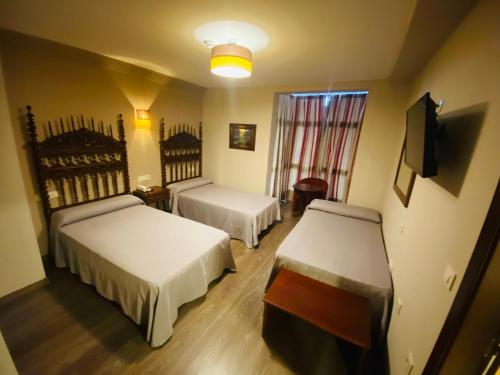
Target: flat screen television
x=421 y=132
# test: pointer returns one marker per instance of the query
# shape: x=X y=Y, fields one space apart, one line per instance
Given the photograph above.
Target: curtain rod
x=337 y=93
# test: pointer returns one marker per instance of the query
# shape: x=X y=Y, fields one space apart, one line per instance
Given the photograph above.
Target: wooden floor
x=66 y=327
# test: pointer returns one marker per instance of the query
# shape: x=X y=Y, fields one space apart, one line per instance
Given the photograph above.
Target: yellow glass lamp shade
x=231 y=61
x=142 y=119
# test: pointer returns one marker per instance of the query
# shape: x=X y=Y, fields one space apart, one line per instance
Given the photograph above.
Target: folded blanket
x=348 y=210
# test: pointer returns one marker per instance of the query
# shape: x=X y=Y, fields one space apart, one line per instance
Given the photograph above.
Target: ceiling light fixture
x=232 y=44
x=231 y=61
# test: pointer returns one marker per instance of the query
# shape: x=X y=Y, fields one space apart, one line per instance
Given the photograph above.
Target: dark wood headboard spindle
x=180 y=153
x=78 y=160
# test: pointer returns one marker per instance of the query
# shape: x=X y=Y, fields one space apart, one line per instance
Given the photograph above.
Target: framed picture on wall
x=242 y=136
x=405 y=178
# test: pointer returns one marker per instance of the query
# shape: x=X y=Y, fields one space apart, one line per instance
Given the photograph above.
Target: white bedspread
x=147 y=260
x=341 y=245
x=241 y=214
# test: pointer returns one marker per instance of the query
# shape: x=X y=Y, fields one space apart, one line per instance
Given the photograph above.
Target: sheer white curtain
x=316 y=136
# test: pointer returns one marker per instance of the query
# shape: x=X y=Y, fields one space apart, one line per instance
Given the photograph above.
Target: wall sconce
x=142 y=119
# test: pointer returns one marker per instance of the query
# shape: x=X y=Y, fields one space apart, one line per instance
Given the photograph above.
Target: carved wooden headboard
x=83 y=162
x=180 y=153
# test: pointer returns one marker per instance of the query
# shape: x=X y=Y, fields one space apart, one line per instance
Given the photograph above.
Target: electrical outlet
x=449 y=277
x=53 y=194
x=399 y=305
x=391 y=265
x=409 y=363
x=145 y=177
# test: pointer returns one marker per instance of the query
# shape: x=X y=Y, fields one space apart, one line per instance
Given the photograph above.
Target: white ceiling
x=310 y=41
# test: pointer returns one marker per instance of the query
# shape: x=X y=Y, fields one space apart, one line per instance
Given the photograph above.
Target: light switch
x=409 y=363
x=145 y=177
x=391 y=265
x=401 y=229
x=449 y=277
x=399 y=305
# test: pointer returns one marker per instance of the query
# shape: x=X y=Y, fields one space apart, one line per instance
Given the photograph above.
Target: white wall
x=20 y=262
x=442 y=224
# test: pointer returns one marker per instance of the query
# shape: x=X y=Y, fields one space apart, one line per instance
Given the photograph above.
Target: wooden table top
x=308 y=186
x=156 y=192
x=334 y=310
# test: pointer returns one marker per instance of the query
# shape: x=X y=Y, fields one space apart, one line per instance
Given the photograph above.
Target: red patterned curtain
x=316 y=136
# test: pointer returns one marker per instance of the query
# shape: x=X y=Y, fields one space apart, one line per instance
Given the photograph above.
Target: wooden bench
x=339 y=313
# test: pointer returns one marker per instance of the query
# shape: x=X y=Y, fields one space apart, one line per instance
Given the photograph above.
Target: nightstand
x=156 y=195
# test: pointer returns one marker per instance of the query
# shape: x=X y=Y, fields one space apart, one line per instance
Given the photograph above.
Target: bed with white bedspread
x=341 y=245
x=241 y=214
x=147 y=260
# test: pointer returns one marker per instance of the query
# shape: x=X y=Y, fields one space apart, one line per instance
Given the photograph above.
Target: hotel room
x=250 y=187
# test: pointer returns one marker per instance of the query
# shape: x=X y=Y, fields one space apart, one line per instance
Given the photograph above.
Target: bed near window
x=241 y=214
x=343 y=246
x=148 y=261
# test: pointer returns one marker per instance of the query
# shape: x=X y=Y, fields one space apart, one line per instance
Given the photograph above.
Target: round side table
x=303 y=193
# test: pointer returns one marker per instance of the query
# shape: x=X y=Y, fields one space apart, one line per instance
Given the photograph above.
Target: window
x=316 y=136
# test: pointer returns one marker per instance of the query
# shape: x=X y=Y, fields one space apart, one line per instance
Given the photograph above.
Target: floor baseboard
x=5 y=300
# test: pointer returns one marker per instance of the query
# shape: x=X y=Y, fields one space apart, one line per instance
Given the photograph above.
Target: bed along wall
x=20 y=263
x=446 y=213
x=58 y=80
x=249 y=170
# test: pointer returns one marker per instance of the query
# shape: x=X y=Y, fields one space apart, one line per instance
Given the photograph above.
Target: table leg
x=295 y=203
x=265 y=321
x=361 y=367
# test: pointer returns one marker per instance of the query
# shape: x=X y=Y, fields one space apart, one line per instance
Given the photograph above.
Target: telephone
x=143 y=188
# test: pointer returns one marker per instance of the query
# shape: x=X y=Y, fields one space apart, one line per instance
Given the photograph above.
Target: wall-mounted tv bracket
x=439 y=106
x=440 y=136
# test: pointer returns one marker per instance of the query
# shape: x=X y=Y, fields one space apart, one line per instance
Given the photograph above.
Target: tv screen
x=421 y=130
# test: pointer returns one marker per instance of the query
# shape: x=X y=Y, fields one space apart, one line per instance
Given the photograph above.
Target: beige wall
x=20 y=263
x=441 y=227
x=248 y=170
x=6 y=365
x=58 y=80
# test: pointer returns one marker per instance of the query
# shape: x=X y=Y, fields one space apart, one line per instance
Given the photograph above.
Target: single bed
x=149 y=261
x=242 y=215
x=343 y=246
